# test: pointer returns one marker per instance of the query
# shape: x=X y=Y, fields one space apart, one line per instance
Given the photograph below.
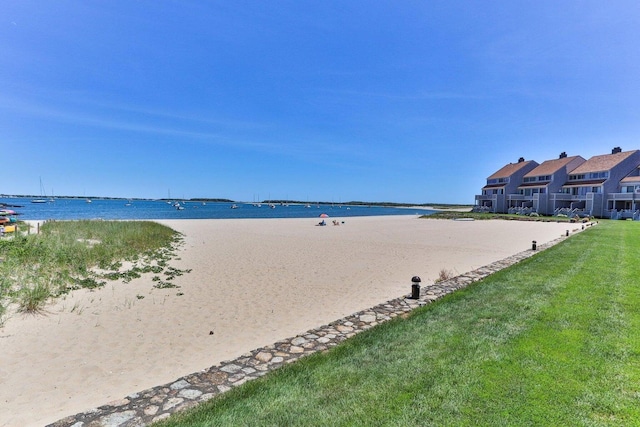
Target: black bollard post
x=415 y=287
x=534 y=245
x=567 y=233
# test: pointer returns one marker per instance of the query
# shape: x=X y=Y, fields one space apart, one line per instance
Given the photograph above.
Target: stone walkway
x=145 y=407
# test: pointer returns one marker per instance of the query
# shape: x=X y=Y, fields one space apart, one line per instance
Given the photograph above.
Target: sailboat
x=42 y=198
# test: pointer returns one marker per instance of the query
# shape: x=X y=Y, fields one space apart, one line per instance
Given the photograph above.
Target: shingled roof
x=602 y=163
x=549 y=167
x=510 y=169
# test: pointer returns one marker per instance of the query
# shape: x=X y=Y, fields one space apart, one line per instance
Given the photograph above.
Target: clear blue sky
x=404 y=101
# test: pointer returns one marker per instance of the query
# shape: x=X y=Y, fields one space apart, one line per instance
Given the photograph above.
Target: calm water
x=151 y=209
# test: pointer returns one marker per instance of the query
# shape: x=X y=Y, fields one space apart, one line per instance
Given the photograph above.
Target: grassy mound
x=69 y=255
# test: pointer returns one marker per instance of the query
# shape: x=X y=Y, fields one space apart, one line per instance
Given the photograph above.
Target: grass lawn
x=552 y=341
x=481 y=216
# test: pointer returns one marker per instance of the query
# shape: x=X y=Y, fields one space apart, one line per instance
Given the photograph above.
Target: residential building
x=626 y=202
x=545 y=179
x=595 y=182
x=502 y=183
x=604 y=186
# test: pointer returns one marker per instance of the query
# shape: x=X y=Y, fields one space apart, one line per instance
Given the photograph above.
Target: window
x=537 y=178
x=598 y=175
x=497 y=181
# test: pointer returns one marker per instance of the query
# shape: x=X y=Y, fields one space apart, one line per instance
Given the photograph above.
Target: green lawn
x=552 y=341
x=483 y=216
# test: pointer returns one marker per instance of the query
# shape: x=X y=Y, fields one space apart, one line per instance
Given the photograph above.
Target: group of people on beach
x=335 y=222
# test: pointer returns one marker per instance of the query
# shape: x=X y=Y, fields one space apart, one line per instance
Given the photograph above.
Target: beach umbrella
x=324 y=215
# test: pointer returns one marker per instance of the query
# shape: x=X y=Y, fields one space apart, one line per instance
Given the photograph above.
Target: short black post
x=534 y=245
x=567 y=233
x=415 y=287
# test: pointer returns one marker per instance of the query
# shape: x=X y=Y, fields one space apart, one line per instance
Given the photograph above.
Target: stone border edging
x=157 y=403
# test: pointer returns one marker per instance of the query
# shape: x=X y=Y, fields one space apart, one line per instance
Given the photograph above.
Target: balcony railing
x=623 y=196
x=481 y=197
x=566 y=197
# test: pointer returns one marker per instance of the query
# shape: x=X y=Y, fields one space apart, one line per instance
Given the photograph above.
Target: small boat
x=42 y=198
x=89 y=201
x=234 y=206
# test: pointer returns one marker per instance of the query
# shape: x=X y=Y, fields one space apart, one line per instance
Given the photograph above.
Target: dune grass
x=69 y=255
x=552 y=341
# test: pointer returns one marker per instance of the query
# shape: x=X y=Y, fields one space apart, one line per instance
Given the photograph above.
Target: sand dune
x=252 y=283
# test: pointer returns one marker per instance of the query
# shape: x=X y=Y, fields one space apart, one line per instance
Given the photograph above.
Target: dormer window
x=540 y=178
x=497 y=181
x=598 y=175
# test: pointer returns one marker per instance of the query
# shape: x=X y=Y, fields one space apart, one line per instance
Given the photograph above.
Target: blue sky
x=403 y=101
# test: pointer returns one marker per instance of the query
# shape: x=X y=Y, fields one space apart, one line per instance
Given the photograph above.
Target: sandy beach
x=252 y=283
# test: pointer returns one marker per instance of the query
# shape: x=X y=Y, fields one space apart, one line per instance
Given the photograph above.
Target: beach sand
x=253 y=282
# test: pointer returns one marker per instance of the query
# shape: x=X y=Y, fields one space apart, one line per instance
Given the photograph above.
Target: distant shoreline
x=434 y=206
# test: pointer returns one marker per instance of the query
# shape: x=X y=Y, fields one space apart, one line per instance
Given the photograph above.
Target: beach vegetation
x=31 y=297
x=553 y=340
x=69 y=255
x=444 y=275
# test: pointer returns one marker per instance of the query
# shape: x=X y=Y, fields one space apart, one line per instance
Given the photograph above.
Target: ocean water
x=70 y=209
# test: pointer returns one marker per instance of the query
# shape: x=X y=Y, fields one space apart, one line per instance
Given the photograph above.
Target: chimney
x=521 y=159
x=616 y=150
x=563 y=155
